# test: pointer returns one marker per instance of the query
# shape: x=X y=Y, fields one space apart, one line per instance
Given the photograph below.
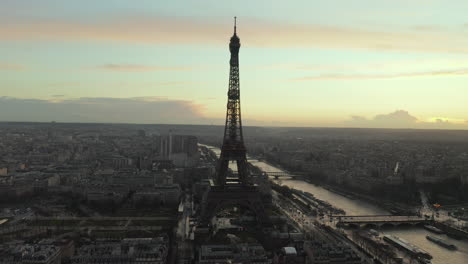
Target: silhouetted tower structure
x=235 y=192
x=233 y=148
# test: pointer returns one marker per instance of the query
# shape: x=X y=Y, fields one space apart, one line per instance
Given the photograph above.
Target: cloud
x=106 y=110
x=441 y=121
x=453 y=72
x=182 y=31
x=403 y=119
x=397 y=117
x=138 y=68
x=162 y=110
x=63 y=84
x=356 y=118
x=58 y=95
x=11 y=67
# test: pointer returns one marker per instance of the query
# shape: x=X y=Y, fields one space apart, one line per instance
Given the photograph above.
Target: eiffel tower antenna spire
x=235 y=24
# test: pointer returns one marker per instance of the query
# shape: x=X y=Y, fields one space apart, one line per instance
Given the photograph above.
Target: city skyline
x=386 y=64
x=356 y=154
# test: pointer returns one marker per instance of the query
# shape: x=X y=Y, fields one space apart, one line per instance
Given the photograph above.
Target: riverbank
x=313 y=227
x=308 y=201
x=390 y=206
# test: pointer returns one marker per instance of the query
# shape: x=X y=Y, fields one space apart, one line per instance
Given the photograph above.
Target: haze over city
x=386 y=64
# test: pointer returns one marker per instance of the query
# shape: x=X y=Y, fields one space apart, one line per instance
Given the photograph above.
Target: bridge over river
x=282 y=174
x=379 y=220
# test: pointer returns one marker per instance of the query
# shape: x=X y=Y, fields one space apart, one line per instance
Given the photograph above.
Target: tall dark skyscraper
x=233 y=148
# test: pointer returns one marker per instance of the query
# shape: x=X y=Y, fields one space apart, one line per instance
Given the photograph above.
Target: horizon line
x=220 y=125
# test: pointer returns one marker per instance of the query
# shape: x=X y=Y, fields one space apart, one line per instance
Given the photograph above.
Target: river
x=414 y=235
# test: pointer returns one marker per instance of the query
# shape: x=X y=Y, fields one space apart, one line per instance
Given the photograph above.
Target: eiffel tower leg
x=222 y=171
x=218 y=198
x=242 y=170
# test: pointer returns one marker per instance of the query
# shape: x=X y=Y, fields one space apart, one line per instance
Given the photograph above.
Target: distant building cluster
x=152 y=250
x=117 y=191
x=233 y=253
x=318 y=252
x=46 y=251
x=101 y=164
x=115 y=194
x=128 y=250
x=365 y=164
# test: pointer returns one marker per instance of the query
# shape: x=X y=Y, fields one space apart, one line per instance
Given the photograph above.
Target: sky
x=335 y=63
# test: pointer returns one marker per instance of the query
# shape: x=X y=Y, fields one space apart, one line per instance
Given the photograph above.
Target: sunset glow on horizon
x=388 y=64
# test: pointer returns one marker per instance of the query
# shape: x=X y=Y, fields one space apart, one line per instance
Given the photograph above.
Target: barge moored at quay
x=441 y=242
x=408 y=247
x=433 y=229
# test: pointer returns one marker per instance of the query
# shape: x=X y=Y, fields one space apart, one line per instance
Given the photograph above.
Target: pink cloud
x=163 y=30
x=401 y=119
x=103 y=109
x=455 y=72
x=139 y=68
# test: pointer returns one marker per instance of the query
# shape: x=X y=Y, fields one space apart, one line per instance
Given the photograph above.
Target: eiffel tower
x=233 y=148
x=238 y=191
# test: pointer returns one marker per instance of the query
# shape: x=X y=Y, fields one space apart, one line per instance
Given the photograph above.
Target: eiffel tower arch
x=219 y=198
x=225 y=192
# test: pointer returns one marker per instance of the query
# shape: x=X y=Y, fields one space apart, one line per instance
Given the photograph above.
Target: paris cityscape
x=165 y=166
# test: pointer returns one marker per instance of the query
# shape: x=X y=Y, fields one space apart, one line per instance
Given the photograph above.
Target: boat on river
x=406 y=246
x=433 y=229
x=374 y=232
x=441 y=242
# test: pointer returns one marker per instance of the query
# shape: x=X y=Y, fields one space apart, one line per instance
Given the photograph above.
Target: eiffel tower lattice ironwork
x=233 y=192
x=233 y=148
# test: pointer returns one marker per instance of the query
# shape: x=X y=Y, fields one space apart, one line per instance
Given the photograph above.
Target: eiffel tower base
x=218 y=198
